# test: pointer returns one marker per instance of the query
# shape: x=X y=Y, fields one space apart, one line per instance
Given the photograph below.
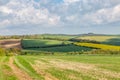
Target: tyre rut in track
x=20 y=74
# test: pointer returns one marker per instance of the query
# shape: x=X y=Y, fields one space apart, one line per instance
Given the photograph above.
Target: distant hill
x=58 y=36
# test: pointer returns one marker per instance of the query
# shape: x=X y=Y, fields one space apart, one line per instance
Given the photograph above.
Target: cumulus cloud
x=3 y=2
x=5 y=10
x=104 y=16
x=54 y=13
x=70 y=1
x=23 y=12
x=4 y=23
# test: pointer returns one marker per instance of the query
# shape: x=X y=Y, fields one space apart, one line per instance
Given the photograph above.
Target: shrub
x=9 y=52
x=103 y=52
x=2 y=52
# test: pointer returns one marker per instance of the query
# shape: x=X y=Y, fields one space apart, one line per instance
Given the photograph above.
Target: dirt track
x=21 y=75
x=10 y=43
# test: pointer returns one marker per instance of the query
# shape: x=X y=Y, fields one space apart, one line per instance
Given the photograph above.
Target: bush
x=9 y=52
x=104 y=52
x=2 y=52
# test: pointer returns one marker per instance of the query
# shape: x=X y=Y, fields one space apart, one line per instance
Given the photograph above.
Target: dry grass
x=87 y=69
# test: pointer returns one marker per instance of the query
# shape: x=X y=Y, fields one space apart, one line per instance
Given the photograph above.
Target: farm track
x=21 y=75
x=1 y=63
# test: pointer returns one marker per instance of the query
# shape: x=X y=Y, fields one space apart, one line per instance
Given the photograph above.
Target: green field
x=69 y=48
x=43 y=43
x=58 y=36
x=82 y=67
x=112 y=40
x=40 y=42
x=97 y=38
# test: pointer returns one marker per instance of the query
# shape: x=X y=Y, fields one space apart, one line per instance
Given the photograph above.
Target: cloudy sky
x=59 y=16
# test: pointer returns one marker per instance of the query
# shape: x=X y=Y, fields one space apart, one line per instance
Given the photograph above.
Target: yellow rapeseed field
x=100 y=46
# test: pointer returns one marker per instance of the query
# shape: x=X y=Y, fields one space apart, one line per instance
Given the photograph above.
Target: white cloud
x=71 y=18
x=72 y=13
x=67 y=2
x=54 y=20
x=5 y=10
x=3 y=2
x=104 y=16
x=23 y=12
x=115 y=13
x=4 y=23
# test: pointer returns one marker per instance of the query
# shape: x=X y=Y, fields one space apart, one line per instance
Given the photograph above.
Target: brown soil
x=10 y=43
x=20 y=74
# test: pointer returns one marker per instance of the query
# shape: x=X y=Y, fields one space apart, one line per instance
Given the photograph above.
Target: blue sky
x=59 y=16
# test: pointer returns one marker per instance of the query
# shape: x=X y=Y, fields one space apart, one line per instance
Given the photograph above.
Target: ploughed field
x=56 y=67
x=10 y=43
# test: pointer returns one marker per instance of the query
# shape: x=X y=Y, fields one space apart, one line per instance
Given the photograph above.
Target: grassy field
x=112 y=40
x=97 y=38
x=82 y=67
x=55 y=36
x=40 y=42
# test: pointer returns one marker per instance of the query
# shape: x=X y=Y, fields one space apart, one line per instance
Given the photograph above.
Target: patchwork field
x=51 y=46
x=60 y=59
x=82 y=67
